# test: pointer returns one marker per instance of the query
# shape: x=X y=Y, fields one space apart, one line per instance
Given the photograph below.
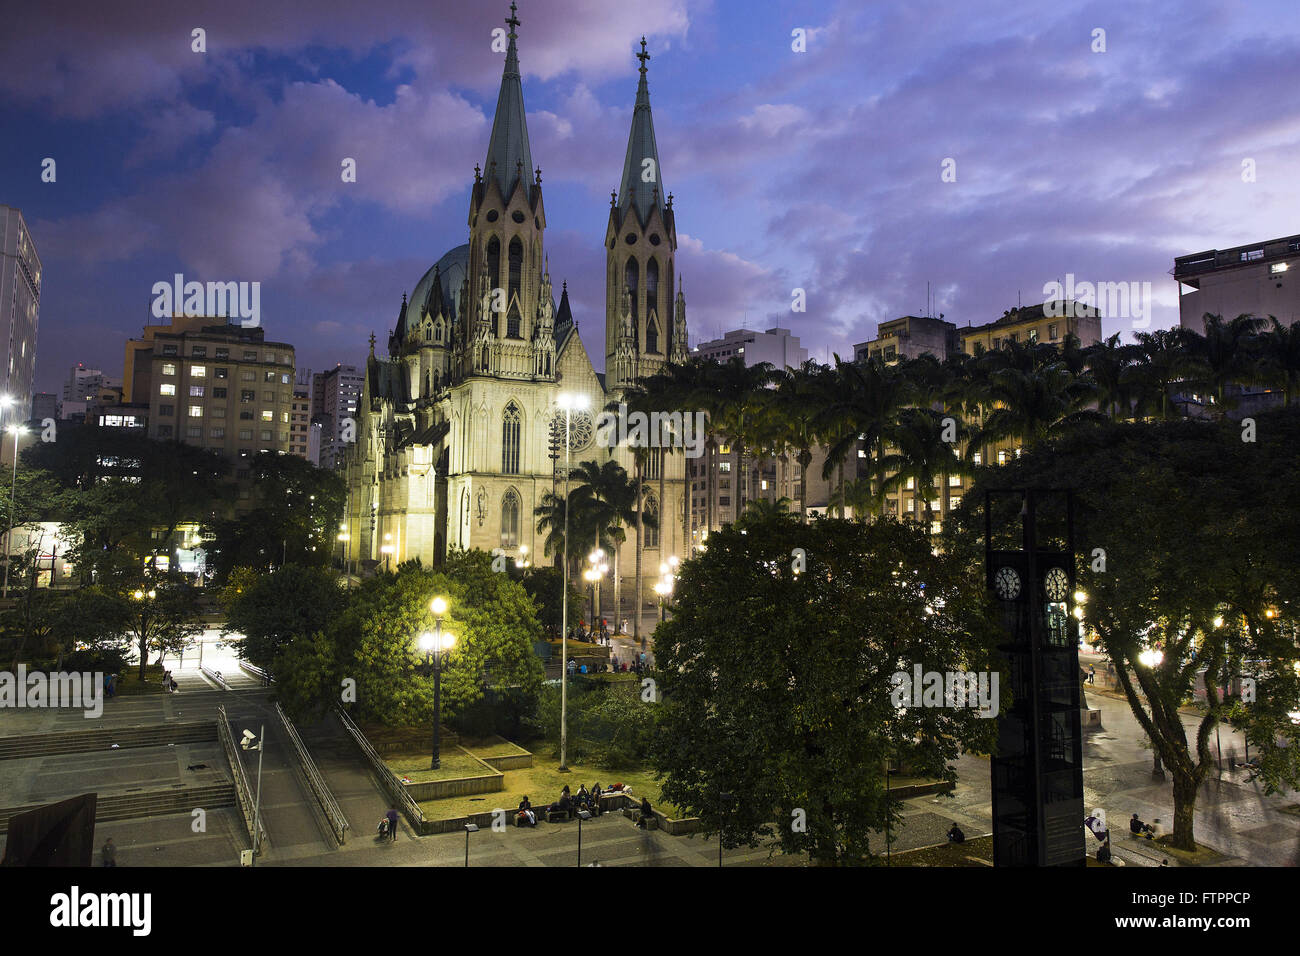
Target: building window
x=1051 y=330
x=196 y=411
x=1033 y=336
x=199 y=351
x=223 y=373
x=196 y=391
x=911 y=505
x=268 y=415
x=166 y=388
x=169 y=368
x=284 y=418
x=510 y=440
x=218 y=393
x=245 y=434
x=954 y=481
x=652 y=336
x=911 y=484
x=166 y=410
x=198 y=371
x=954 y=501
x=218 y=433
x=169 y=350
x=651 y=524
x=510 y=520
x=250 y=356
x=247 y=375
x=223 y=354
x=247 y=395
x=977 y=458
x=1002 y=458
x=266 y=434
x=194 y=431
x=218 y=412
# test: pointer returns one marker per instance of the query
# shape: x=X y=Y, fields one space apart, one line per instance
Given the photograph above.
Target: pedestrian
x=109 y=853
x=1092 y=674
x=392 y=824
x=573 y=666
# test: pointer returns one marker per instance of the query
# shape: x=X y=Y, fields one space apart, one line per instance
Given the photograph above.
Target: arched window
x=651 y=511
x=494 y=262
x=651 y=289
x=632 y=279
x=653 y=463
x=512 y=322
x=516 y=267
x=652 y=337
x=510 y=520
x=483 y=361
x=510 y=440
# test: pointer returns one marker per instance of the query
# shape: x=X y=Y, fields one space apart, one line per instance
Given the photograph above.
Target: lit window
x=166 y=389
x=196 y=391
x=954 y=481
x=169 y=369
x=1002 y=458
x=911 y=484
x=199 y=371
x=268 y=415
x=911 y=505
x=954 y=501
x=978 y=458
x=196 y=411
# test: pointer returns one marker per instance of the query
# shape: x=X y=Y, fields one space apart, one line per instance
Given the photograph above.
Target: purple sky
x=818 y=170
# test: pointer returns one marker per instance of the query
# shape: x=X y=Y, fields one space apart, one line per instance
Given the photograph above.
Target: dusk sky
x=817 y=170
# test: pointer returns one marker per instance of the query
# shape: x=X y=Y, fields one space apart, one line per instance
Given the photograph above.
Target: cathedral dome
x=452 y=269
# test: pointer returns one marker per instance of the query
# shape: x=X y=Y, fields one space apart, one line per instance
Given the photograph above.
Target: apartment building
x=909 y=337
x=776 y=346
x=218 y=386
x=1259 y=279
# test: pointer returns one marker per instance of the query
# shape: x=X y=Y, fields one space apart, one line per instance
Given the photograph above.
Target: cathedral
x=459 y=433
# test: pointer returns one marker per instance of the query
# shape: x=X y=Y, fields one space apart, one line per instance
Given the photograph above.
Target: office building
x=20 y=305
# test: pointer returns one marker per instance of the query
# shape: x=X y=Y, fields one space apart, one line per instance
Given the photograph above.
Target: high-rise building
x=300 y=422
x=45 y=405
x=20 y=305
x=335 y=397
x=1260 y=279
x=87 y=384
x=776 y=346
x=215 y=384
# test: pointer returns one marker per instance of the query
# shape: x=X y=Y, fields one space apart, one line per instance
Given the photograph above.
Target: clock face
x=1007 y=583
x=1056 y=584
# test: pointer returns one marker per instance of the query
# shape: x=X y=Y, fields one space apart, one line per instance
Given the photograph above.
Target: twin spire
x=509 y=158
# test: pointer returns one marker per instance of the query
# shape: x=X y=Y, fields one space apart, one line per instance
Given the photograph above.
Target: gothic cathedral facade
x=459 y=434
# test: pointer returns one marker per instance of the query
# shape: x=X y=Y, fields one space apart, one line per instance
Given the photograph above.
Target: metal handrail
x=252 y=670
x=214 y=676
x=242 y=790
x=338 y=822
x=388 y=780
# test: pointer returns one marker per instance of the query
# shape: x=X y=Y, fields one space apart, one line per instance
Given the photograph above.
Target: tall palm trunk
x=640 y=543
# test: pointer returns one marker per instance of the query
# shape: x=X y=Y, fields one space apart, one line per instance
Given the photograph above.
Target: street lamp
x=435 y=645
x=469 y=828
x=582 y=815
x=522 y=561
x=13 y=490
x=387 y=549
x=568 y=401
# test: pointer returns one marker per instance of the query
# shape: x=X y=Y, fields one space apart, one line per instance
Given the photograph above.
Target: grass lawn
x=542 y=785
x=492 y=747
x=129 y=684
x=453 y=763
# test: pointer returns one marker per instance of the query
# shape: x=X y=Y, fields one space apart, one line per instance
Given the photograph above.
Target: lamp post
x=434 y=646
x=13 y=491
x=568 y=401
x=1152 y=658
x=387 y=549
x=260 y=746
x=582 y=815
x=469 y=828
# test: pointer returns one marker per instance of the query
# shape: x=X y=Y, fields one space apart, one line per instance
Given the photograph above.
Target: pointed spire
x=508 y=151
x=564 y=315
x=372 y=344
x=641 y=179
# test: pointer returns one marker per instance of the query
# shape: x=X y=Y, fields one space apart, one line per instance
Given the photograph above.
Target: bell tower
x=506 y=222
x=641 y=324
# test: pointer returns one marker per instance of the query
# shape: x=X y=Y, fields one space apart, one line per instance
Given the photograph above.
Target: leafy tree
x=1200 y=565
x=271 y=610
x=777 y=685
x=161 y=613
x=543 y=586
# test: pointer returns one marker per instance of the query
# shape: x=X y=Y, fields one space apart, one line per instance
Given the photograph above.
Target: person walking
x=109 y=853
x=392 y=824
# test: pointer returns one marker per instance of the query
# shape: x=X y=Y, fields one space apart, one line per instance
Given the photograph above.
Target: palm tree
x=1107 y=362
x=1222 y=356
x=1279 y=358
x=922 y=456
x=801 y=395
x=1158 y=365
x=614 y=498
x=761 y=510
x=1034 y=405
x=869 y=394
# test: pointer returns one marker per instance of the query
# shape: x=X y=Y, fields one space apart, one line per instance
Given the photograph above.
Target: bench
x=558 y=816
x=632 y=813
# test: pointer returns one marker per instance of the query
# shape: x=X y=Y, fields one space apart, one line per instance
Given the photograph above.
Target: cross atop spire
x=643 y=56
x=508 y=155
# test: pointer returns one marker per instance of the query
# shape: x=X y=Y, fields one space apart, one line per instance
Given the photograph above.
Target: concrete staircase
x=124 y=806
x=46 y=745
